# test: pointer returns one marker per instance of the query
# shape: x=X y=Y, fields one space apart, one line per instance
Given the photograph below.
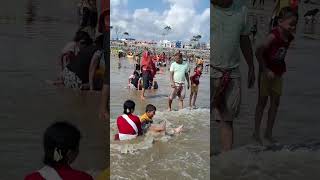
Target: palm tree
x=167 y=30
x=126 y=34
x=196 y=39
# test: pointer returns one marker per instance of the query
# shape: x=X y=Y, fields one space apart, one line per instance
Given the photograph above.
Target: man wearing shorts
x=179 y=73
x=230 y=33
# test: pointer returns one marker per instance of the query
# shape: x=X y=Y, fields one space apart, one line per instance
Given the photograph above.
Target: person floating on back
x=194 y=79
x=271 y=55
x=61 y=147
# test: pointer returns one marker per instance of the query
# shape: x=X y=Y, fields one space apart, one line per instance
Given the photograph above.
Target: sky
x=146 y=19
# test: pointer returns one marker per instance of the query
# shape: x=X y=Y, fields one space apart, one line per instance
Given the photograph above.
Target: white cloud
x=148 y=24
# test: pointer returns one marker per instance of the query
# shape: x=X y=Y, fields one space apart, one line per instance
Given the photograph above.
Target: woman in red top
x=148 y=69
x=129 y=125
x=61 y=148
x=271 y=55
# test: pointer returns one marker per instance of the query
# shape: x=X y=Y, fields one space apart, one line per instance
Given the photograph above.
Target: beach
x=185 y=156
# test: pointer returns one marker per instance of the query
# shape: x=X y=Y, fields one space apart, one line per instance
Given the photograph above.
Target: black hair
x=128 y=107
x=60 y=136
x=81 y=35
x=99 y=41
x=136 y=73
x=287 y=12
x=150 y=108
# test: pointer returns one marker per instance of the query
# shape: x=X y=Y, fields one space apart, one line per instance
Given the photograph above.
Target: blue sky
x=145 y=19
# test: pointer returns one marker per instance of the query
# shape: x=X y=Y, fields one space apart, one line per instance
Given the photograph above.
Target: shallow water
x=32 y=33
x=185 y=156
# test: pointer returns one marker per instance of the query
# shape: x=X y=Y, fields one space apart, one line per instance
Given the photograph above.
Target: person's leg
x=226 y=128
x=157 y=128
x=181 y=103
x=190 y=99
x=262 y=101
x=274 y=104
x=171 y=97
x=194 y=99
x=181 y=96
x=145 y=84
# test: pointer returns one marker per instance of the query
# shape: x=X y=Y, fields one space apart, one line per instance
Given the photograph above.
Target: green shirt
x=179 y=71
x=227 y=25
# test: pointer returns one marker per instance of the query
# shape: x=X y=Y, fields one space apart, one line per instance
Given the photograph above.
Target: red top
x=65 y=172
x=195 y=78
x=162 y=57
x=104 y=17
x=275 y=54
x=294 y=5
x=125 y=128
x=147 y=63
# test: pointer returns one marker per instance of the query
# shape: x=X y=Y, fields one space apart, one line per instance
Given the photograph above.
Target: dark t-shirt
x=80 y=66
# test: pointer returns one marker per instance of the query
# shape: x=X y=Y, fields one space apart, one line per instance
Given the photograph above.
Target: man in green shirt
x=179 y=73
x=229 y=34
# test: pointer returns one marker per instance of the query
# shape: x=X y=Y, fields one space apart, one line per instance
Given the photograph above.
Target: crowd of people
x=82 y=65
x=143 y=78
x=82 y=62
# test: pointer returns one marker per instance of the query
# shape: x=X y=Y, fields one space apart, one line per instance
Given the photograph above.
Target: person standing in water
x=271 y=55
x=230 y=29
x=179 y=73
x=148 y=71
x=61 y=147
x=195 y=86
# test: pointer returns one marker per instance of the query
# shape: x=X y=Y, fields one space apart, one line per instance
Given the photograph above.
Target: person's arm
x=139 y=83
x=104 y=106
x=260 y=50
x=187 y=78
x=246 y=49
x=93 y=66
x=139 y=126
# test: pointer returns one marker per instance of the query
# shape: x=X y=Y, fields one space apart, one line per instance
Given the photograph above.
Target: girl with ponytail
x=129 y=125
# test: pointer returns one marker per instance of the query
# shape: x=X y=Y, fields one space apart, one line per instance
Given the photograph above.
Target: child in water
x=271 y=55
x=147 y=126
x=134 y=80
x=61 y=147
x=194 y=79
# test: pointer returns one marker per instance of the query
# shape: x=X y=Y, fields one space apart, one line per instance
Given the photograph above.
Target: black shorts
x=147 y=77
